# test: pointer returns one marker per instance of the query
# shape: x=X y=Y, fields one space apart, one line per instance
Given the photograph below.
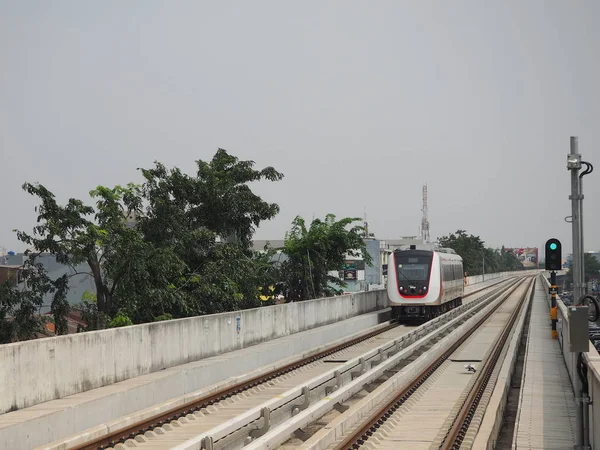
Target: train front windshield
x=413 y=267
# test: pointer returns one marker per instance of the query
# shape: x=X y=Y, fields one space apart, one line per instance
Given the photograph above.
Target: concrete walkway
x=546 y=417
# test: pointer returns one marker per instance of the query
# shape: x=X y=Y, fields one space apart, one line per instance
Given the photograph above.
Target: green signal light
x=553 y=246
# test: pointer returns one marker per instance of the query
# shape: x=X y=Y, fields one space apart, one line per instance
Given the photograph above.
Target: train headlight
x=424 y=288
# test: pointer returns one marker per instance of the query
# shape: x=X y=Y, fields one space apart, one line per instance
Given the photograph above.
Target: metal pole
x=553 y=308
x=575 y=224
x=574 y=164
x=483 y=271
x=586 y=421
x=581 y=240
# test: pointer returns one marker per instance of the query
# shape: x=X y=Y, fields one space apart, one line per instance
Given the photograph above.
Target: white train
x=423 y=284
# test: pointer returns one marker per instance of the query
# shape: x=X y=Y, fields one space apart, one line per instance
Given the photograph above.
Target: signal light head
x=553 y=250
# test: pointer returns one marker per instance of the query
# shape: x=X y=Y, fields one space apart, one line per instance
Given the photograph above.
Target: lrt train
x=423 y=284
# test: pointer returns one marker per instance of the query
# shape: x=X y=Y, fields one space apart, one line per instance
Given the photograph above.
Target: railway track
x=441 y=406
x=206 y=406
x=313 y=375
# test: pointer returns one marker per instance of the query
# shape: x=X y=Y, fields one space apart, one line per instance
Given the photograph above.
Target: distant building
x=568 y=262
x=259 y=244
x=75 y=323
x=131 y=219
x=360 y=276
x=11 y=273
x=402 y=242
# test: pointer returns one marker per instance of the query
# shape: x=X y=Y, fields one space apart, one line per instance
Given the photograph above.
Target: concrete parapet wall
x=80 y=417
x=40 y=370
x=46 y=369
x=593 y=361
x=475 y=279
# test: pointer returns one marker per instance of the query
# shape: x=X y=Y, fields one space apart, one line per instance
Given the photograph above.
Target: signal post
x=553 y=251
x=553 y=308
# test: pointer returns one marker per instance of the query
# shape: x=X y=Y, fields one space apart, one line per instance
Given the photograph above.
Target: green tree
x=591 y=269
x=509 y=261
x=120 y=320
x=89 y=313
x=493 y=262
x=267 y=273
x=69 y=233
x=218 y=199
x=473 y=251
x=314 y=252
x=207 y=221
x=177 y=245
x=19 y=304
x=470 y=247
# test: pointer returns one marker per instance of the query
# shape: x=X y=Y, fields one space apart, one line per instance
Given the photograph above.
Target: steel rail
x=459 y=428
x=142 y=426
x=380 y=416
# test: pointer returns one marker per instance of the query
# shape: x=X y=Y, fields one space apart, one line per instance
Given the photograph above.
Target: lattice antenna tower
x=425 y=220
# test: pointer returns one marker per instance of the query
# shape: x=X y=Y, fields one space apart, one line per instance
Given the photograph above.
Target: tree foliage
x=174 y=246
x=473 y=252
x=591 y=269
x=70 y=233
x=19 y=305
x=206 y=223
x=314 y=252
x=120 y=320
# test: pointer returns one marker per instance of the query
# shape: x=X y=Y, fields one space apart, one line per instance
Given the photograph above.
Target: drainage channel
x=509 y=418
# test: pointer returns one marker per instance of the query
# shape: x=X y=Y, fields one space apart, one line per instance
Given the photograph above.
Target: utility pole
x=483 y=270
x=425 y=218
x=574 y=163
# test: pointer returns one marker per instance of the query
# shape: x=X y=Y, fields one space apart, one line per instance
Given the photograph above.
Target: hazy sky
x=357 y=103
